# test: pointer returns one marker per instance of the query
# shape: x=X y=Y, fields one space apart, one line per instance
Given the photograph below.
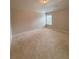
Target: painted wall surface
x=61 y=19
x=22 y=21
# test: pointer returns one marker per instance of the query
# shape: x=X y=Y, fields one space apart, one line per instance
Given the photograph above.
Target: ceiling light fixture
x=44 y=1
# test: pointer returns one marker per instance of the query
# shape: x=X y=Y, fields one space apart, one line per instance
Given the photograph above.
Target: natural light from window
x=49 y=19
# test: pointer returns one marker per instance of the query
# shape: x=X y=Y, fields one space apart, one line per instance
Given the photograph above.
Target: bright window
x=49 y=19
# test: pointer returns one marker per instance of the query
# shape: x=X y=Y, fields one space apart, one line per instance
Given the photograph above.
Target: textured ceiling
x=35 y=5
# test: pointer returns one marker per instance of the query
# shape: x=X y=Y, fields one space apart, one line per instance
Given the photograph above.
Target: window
x=49 y=19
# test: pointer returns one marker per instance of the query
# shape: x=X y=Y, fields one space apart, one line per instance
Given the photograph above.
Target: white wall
x=22 y=21
x=61 y=20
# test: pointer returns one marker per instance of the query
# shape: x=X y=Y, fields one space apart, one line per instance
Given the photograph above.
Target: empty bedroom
x=40 y=29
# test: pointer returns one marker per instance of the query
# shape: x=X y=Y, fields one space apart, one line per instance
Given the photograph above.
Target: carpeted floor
x=40 y=44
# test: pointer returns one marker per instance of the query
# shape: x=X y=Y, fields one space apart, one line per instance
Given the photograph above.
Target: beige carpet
x=40 y=44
